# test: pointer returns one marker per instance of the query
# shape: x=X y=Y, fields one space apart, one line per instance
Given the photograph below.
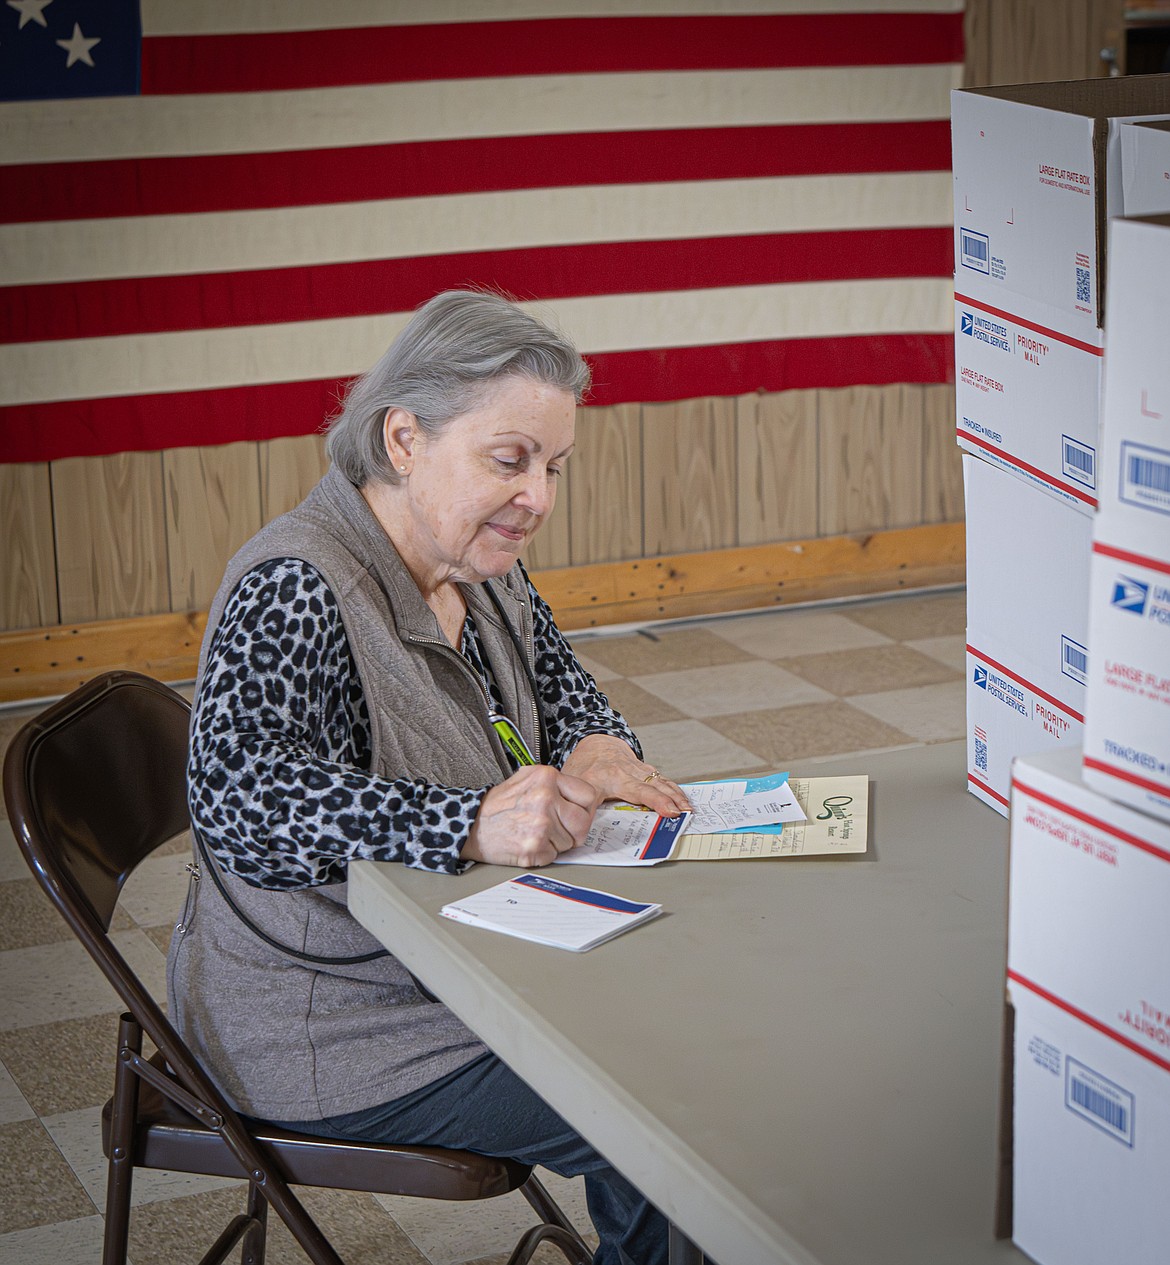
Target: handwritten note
x=627 y=836
x=738 y=804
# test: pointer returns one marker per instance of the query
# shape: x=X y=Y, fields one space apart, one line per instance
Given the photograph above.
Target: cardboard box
x=1089 y=891
x=1008 y=716
x=1027 y=625
x=1091 y=1143
x=1089 y=980
x=1037 y=173
x=1028 y=397
x=1135 y=427
x=1127 y=703
x=1145 y=167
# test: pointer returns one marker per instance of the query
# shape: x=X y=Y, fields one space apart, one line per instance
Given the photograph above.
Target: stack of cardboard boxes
x=1064 y=413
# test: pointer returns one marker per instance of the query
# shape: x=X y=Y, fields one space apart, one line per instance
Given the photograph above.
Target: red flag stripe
x=84 y=428
x=311 y=177
x=139 y=305
x=283 y=60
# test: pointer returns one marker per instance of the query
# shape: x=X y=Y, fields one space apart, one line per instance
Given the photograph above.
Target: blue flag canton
x=52 y=49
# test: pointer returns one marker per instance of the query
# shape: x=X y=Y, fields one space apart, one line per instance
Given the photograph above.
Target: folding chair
x=94 y=785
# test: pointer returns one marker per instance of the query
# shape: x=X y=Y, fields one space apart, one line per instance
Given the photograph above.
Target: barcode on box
x=974 y=251
x=1145 y=477
x=980 y=749
x=1079 y=461
x=1074 y=660
x=1103 y=1104
x=1083 y=291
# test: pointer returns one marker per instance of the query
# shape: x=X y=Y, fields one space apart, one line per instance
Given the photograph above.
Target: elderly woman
x=357 y=654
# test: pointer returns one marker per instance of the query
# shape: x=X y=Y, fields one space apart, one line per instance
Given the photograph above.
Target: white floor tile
x=61 y=981
x=154 y=893
x=729 y=688
x=65 y=1243
x=685 y=750
x=949 y=650
x=448 y=1233
x=13 y=1104
x=78 y=1135
x=930 y=713
x=784 y=634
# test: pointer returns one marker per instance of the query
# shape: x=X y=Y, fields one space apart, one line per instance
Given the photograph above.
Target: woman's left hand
x=615 y=772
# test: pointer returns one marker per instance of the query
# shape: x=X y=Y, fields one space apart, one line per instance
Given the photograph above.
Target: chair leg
x=573 y=1248
x=255 y=1242
x=120 y=1174
x=549 y=1211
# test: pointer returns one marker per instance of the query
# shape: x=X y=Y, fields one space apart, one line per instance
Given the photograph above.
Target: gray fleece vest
x=284 y=1039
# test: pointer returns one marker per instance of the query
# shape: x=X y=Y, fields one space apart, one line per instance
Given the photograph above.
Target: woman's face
x=477 y=492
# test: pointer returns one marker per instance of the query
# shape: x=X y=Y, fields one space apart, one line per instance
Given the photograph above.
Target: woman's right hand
x=531 y=818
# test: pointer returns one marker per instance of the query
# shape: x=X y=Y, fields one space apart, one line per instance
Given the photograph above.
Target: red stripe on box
x=974 y=781
x=283 y=60
x=1096 y=822
x=1038 y=329
x=84 y=428
x=1088 y=1020
x=1136 y=559
x=317 y=177
x=1048 y=698
x=1125 y=775
x=140 y=305
x=1023 y=465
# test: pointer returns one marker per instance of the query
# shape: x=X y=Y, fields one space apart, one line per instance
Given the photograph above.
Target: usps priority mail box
x=1127 y=704
x=1037 y=172
x=1145 y=167
x=1091 y=1142
x=1028 y=397
x=1088 y=895
x=1135 y=423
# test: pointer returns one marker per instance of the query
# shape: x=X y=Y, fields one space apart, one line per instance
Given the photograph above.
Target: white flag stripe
x=310 y=350
x=220 y=123
x=212 y=17
x=401 y=228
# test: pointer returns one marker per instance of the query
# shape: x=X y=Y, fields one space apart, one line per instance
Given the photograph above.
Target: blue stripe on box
x=662 y=839
x=583 y=895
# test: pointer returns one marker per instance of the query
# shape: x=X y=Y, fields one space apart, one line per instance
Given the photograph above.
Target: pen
x=512 y=739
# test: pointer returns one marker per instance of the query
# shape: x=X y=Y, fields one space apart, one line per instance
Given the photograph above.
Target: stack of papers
x=548 y=911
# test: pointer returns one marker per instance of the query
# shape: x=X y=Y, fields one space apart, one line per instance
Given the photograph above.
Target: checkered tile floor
x=745 y=693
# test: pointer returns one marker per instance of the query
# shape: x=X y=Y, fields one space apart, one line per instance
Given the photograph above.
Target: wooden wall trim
x=41 y=663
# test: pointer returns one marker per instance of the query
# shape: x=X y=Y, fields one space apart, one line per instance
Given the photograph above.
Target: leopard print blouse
x=279 y=768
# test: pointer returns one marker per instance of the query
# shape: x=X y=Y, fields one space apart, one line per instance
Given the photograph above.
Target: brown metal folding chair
x=94 y=785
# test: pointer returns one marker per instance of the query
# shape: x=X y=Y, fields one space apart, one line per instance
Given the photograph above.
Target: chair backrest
x=94 y=785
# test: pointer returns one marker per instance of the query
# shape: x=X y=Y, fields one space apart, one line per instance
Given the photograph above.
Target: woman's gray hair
x=454 y=346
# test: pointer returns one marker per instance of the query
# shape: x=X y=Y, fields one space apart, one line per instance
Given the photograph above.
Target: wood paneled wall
x=1035 y=41
x=101 y=538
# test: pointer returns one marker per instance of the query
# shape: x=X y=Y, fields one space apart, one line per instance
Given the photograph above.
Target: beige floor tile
x=160 y=936
x=13 y=1104
x=27 y=917
x=78 y=1135
x=637 y=705
x=39 y=1187
x=666 y=651
x=888 y=667
x=451 y=1233
x=169 y=1232
x=787 y=735
x=930 y=713
x=61 y=981
x=731 y=687
x=909 y=618
x=63 y=1066
x=597 y=670
x=950 y=650
x=685 y=750
x=11 y=720
x=781 y=634
x=62 y=1243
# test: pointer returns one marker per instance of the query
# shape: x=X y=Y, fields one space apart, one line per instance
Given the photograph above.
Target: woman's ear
x=399 y=431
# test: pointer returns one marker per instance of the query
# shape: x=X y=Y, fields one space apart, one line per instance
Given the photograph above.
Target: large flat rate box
x=1037 y=173
x=1145 y=167
x=1089 y=977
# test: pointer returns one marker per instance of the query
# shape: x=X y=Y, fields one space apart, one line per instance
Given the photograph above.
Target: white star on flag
x=30 y=11
x=78 y=47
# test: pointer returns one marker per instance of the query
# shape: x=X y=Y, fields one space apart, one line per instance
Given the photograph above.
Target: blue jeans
x=486 y=1107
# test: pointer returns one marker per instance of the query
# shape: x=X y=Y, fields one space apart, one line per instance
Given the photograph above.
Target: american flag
x=215 y=212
